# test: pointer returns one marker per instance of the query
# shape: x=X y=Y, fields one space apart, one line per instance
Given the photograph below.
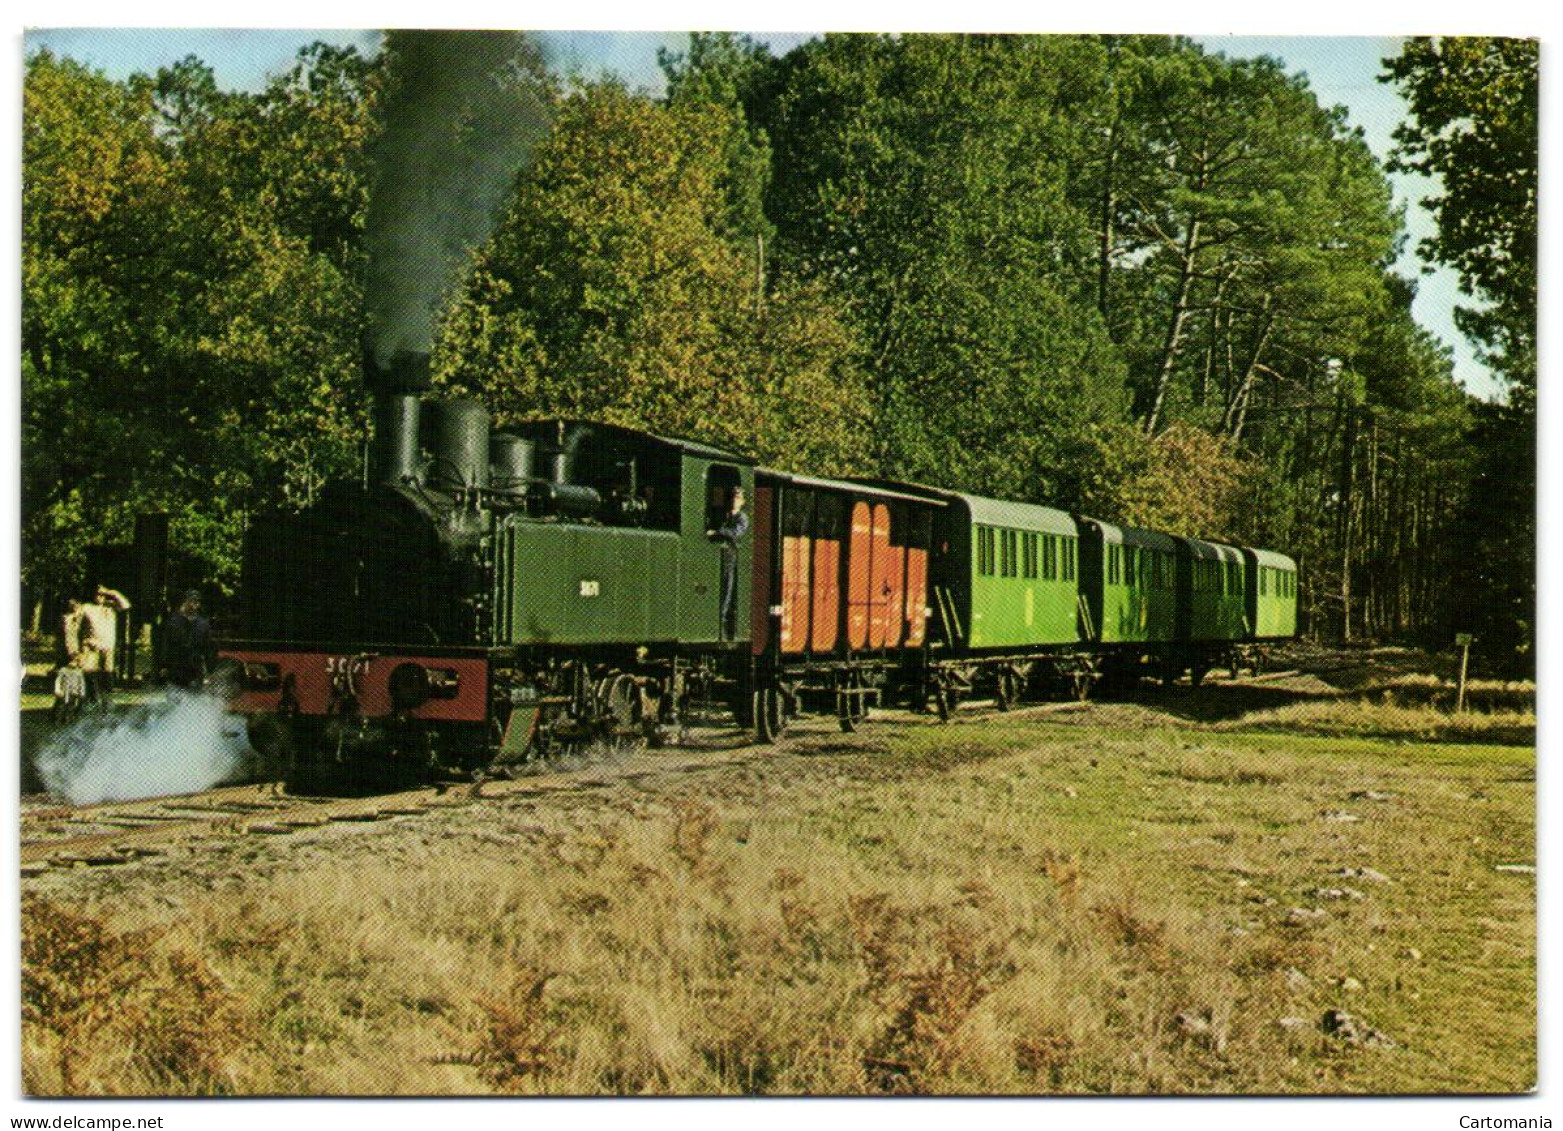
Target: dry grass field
x=1250 y=889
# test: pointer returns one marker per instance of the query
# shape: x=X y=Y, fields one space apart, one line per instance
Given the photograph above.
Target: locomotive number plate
x=347 y=665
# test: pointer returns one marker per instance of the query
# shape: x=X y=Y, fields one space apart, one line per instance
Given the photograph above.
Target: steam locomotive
x=482 y=598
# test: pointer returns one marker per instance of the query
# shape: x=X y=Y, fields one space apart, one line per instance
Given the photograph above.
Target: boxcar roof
x=1272 y=559
x=1133 y=535
x=1213 y=551
x=856 y=487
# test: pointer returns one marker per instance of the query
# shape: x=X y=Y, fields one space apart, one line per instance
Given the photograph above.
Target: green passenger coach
x=1012 y=576
x=1212 y=593
x=1272 y=594
x=1128 y=580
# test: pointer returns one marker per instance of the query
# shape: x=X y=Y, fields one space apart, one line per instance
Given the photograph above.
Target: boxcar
x=841 y=573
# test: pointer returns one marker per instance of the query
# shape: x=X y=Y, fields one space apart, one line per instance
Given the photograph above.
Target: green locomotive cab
x=1128 y=584
x=1271 y=595
x=615 y=542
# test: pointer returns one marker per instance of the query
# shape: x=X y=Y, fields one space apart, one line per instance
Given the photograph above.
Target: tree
x=1474 y=105
x=617 y=288
x=923 y=180
x=1474 y=102
x=98 y=188
x=1183 y=480
x=1250 y=226
x=190 y=301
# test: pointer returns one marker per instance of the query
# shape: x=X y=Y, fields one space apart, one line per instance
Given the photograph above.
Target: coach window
x=1028 y=555
x=1069 y=559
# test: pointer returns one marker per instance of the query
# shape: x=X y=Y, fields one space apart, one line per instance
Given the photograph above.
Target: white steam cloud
x=184 y=745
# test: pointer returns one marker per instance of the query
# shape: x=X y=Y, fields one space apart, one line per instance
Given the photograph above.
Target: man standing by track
x=91 y=633
x=188 y=651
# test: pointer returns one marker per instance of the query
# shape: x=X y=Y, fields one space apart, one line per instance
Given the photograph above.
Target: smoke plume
x=462 y=110
x=184 y=745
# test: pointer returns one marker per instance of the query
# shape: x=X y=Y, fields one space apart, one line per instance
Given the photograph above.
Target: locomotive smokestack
x=393 y=451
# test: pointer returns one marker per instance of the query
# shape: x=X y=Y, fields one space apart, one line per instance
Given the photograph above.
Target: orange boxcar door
x=796 y=554
x=916 y=595
x=879 y=577
x=860 y=558
x=890 y=566
x=827 y=595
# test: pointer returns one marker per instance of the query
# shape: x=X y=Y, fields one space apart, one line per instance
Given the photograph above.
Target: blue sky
x=1341 y=70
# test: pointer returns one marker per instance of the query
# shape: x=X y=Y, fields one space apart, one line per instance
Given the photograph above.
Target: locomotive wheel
x=945 y=700
x=623 y=702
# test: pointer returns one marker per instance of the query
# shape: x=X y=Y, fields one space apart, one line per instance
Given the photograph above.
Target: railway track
x=108 y=833
x=120 y=832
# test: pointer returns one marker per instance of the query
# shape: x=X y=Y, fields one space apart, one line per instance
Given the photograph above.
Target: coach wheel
x=1197 y=674
x=1008 y=690
x=769 y=719
x=743 y=709
x=945 y=700
x=850 y=710
x=851 y=703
